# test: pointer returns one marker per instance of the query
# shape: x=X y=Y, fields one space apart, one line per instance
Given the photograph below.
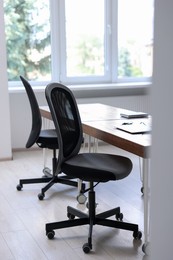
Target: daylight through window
x=79 y=41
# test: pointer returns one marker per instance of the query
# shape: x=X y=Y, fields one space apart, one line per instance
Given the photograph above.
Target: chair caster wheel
x=70 y=216
x=50 y=234
x=137 y=235
x=47 y=172
x=119 y=216
x=86 y=248
x=81 y=198
x=41 y=196
x=19 y=187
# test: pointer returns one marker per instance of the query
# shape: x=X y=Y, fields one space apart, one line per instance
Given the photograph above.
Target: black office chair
x=44 y=139
x=90 y=167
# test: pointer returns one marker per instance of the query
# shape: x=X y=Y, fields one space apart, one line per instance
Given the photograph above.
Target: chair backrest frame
x=67 y=121
x=36 y=116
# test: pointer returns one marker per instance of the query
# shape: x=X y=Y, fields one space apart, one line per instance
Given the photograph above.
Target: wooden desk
x=107 y=132
x=99 y=121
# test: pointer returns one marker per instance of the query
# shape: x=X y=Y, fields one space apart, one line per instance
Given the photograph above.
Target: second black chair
x=44 y=139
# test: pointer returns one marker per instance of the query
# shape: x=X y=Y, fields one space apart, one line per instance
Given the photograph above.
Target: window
x=135 y=38
x=79 y=41
x=84 y=37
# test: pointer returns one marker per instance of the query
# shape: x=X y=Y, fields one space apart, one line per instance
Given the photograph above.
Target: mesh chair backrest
x=36 y=116
x=67 y=120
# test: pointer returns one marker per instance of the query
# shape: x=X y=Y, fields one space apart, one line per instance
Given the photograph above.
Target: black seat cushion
x=48 y=139
x=97 y=167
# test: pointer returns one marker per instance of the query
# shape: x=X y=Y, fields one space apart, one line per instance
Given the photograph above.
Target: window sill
x=107 y=90
x=98 y=90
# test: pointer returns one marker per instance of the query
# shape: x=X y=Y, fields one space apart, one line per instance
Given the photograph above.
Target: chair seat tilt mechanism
x=93 y=168
x=45 y=139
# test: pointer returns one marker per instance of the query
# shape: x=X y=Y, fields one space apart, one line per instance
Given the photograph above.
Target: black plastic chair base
x=92 y=219
x=51 y=181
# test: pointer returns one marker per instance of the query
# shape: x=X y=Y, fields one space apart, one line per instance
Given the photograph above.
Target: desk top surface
x=92 y=112
x=100 y=121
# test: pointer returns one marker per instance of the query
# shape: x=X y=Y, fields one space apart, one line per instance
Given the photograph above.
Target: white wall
x=5 y=133
x=162 y=143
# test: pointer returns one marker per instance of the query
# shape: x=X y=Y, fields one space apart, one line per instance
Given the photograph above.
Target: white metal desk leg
x=146 y=164
x=46 y=170
x=141 y=173
x=89 y=144
x=95 y=145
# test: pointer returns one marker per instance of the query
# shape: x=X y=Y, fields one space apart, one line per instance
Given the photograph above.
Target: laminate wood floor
x=23 y=215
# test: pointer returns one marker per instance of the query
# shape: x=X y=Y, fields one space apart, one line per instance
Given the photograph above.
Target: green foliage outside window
x=91 y=59
x=27 y=40
x=125 y=67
